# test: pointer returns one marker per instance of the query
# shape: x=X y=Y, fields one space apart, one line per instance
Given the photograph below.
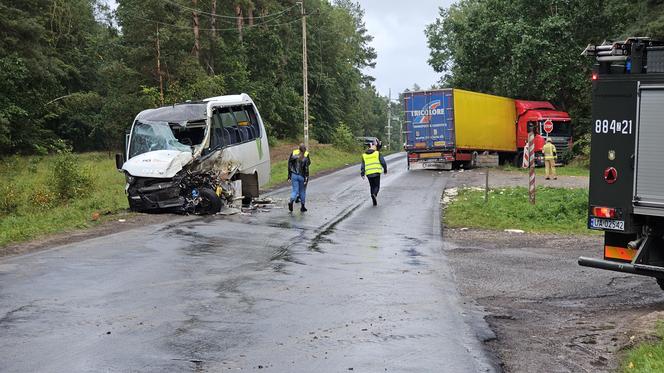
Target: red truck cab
x=538 y=112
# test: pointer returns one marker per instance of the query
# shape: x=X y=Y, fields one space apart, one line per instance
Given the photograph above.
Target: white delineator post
x=531 y=165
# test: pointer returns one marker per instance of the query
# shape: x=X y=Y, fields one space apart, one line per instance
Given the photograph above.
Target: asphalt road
x=344 y=287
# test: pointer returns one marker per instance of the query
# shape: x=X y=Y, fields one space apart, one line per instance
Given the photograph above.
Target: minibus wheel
x=210 y=203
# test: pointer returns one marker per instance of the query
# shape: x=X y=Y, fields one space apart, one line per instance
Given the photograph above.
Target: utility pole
x=161 y=78
x=305 y=83
x=389 y=119
x=401 y=134
x=197 y=37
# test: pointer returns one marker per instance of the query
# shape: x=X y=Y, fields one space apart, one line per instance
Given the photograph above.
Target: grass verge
x=31 y=207
x=647 y=357
x=558 y=210
x=568 y=170
x=323 y=157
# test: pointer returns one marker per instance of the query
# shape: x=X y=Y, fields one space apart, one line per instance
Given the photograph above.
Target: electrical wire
x=229 y=20
x=172 y=26
x=229 y=17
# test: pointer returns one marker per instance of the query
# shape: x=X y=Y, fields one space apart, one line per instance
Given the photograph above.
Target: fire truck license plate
x=616 y=225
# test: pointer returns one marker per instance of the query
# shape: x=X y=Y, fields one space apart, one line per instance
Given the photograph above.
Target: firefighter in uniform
x=549 y=151
x=298 y=175
x=373 y=164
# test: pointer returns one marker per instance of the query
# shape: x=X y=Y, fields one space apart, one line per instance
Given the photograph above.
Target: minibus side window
x=218 y=136
x=244 y=124
x=251 y=114
x=231 y=130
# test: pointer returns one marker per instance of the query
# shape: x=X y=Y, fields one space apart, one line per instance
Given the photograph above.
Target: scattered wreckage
x=195 y=157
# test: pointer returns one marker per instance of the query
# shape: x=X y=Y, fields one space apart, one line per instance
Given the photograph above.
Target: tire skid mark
x=329 y=229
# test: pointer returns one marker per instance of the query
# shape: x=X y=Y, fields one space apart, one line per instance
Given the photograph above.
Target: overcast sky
x=398 y=30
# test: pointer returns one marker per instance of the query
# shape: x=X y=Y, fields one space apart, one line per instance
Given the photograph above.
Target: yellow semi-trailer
x=448 y=127
x=483 y=122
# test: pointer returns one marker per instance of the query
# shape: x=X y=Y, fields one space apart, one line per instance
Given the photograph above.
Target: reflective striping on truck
x=621 y=253
x=431 y=155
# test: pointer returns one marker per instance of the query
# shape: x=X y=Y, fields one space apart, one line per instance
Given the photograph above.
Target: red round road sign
x=548 y=126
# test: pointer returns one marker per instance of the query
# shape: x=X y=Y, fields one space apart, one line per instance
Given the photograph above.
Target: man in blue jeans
x=298 y=175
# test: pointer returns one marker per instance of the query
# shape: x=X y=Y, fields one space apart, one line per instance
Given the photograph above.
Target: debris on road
x=225 y=211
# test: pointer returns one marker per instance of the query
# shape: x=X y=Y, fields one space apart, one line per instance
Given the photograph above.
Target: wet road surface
x=344 y=287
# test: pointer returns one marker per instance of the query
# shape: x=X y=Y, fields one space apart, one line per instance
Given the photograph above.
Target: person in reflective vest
x=549 y=151
x=298 y=175
x=373 y=164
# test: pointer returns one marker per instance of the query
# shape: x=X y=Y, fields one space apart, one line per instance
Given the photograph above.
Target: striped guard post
x=531 y=154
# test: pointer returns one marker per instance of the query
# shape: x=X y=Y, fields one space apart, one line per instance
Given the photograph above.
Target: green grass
x=323 y=158
x=558 y=210
x=647 y=357
x=567 y=170
x=30 y=207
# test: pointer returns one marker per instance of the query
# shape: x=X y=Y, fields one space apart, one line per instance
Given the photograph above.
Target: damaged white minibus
x=191 y=157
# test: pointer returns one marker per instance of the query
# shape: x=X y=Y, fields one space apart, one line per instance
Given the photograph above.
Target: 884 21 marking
x=619 y=127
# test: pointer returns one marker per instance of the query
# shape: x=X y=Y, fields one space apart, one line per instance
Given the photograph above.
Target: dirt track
x=548 y=313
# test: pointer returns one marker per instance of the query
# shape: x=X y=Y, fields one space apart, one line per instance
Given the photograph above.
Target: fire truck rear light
x=595 y=76
x=610 y=175
x=413 y=155
x=604 y=212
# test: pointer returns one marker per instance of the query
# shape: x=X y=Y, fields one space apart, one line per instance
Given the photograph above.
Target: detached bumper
x=635 y=269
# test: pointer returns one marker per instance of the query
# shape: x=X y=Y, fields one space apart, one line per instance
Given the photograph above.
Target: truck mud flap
x=636 y=269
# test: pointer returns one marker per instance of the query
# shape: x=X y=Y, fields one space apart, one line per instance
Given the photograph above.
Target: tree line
x=74 y=73
x=531 y=49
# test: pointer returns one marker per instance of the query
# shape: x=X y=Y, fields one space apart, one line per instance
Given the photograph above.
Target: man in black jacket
x=298 y=175
x=373 y=164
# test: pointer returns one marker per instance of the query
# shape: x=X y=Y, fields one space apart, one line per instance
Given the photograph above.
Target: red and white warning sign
x=548 y=126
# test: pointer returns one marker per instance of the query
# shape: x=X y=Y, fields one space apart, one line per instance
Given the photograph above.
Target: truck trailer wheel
x=474 y=161
x=518 y=159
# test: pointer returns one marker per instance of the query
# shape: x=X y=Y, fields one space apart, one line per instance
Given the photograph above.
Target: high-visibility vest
x=549 y=150
x=372 y=163
x=296 y=153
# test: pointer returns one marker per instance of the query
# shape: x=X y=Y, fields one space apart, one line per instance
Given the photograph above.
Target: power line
x=229 y=17
x=233 y=20
x=170 y=25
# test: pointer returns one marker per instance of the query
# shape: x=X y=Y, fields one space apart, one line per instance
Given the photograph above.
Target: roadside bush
x=42 y=197
x=9 y=199
x=69 y=179
x=566 y=156
x=343 y=138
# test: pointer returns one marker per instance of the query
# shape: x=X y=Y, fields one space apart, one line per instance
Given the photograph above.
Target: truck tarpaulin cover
x=430 y=119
